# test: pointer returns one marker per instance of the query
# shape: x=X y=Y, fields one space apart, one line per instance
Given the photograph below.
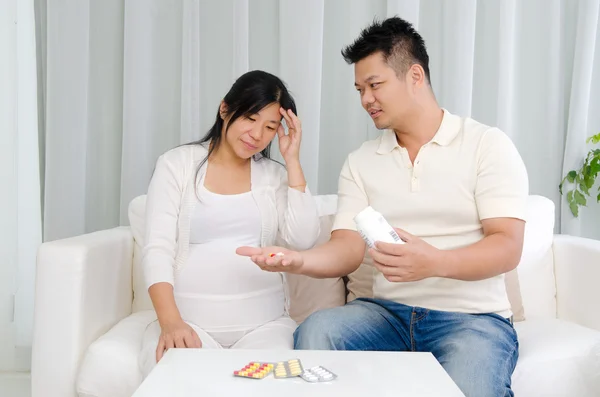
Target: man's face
x=383 y=95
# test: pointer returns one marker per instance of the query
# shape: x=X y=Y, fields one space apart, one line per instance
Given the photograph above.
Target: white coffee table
x=208 y=373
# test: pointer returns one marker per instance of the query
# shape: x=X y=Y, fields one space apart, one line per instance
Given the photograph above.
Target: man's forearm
x=340 y=256
x=493 y=255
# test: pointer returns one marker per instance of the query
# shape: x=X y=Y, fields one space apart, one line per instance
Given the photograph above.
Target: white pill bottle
x=373 y=227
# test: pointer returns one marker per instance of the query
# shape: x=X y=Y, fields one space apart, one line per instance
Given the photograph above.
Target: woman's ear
x=223 y=110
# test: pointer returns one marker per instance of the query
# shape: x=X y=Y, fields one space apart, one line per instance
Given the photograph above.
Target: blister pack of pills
x=318 y=374
x=285 y=369
x=255 y=370
x=288 y=369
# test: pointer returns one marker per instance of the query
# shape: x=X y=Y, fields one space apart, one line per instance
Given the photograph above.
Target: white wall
x=20 y=201
x=8 y=180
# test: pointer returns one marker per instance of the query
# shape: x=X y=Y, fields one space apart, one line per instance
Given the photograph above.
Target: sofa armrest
x=83 y=288
x=577 y=271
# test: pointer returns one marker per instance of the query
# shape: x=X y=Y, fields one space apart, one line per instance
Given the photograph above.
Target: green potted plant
x=583 y=180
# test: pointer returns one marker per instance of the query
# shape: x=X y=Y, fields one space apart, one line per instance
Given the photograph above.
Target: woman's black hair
x=249 y=94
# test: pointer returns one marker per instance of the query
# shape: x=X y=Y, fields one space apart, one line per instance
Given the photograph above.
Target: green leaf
x=571 y=176
x=586 y=170
x=595 y=165
x=580 y=198
x=584 y=188
x=598 y=199
x=594 y=139
x=588 y=180
x=572 y=204
x=574 y=209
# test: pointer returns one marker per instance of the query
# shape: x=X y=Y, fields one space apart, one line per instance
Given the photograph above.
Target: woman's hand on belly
x=176 y=335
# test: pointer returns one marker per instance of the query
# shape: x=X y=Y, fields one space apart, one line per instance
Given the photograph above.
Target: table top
x=208 y=372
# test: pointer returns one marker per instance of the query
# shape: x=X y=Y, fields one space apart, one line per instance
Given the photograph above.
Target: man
x=456 y=190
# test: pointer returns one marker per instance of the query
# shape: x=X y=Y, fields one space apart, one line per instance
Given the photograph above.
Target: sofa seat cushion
x=110 y=365
x=557 y=358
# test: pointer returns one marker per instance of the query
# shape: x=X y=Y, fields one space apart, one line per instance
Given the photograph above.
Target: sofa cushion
x=536 y=268
x=110 y=365
x=556 y=358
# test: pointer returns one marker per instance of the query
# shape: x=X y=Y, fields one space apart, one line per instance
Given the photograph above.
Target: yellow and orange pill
x=254 y=370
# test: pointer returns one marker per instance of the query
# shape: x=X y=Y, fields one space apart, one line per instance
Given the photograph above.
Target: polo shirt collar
x=445 y=134
x=388 y=142
x=451 y=125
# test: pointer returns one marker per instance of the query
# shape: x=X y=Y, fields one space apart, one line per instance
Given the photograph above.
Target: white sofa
x=91 y=311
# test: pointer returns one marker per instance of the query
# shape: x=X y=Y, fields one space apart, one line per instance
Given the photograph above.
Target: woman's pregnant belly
x=219 y=290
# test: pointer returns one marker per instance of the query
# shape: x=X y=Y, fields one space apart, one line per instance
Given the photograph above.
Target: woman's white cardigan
x=172 y=197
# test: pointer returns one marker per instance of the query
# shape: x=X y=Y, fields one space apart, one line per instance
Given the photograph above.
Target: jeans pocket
x=507 y=321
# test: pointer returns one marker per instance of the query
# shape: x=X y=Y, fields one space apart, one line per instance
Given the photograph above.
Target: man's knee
x=481 y=383
x=482 y=363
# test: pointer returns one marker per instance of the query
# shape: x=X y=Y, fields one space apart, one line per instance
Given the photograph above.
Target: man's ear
x=416 y=74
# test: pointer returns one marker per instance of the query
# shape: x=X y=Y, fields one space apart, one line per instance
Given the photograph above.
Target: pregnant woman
x=206 y=199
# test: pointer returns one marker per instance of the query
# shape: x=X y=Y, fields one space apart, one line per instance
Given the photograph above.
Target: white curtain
x=20 y=201
x=124 y=81
x=128 y=80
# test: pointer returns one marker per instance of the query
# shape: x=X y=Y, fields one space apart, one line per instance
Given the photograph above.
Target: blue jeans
x=478 y=351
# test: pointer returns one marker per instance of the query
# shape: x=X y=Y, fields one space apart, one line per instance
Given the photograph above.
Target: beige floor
x=15 y=385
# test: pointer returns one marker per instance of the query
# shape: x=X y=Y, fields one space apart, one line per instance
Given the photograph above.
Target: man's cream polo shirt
x=466 y=173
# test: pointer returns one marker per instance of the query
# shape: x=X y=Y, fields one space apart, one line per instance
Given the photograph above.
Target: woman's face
x=250 y=135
